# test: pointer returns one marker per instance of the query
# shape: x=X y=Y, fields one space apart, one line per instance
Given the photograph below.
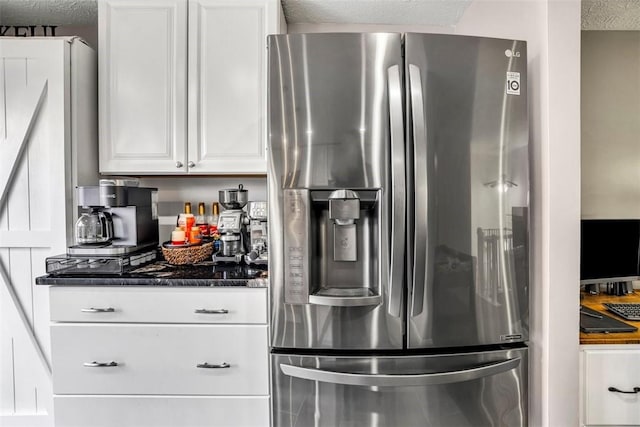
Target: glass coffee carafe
x=94 y=227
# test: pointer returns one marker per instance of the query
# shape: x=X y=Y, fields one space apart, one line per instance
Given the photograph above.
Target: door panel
x=469 y=156
x=331 y=117
x=473 y=389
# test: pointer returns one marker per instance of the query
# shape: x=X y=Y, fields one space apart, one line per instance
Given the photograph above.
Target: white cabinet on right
x=227 y=84
x=183 y=85
x=610 y=385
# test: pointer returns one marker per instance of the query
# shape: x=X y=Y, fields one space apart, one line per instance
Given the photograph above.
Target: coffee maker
x=231 y=225
x=257 y=230
x=116 y=217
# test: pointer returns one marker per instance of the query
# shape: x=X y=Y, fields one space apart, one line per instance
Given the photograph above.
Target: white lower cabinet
x=161 y=411
x=136 y=367
x=610 y=385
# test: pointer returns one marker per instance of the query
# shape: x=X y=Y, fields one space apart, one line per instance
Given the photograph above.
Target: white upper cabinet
x=150 y=124
x=143 y=86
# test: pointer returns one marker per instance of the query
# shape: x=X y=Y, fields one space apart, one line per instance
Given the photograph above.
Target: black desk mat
x=597 y=322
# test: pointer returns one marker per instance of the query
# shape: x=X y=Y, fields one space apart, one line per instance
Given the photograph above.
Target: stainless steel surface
x=329 y=130
x=233 y=198
x=421 y=265
x=345 y=297
x=468 y=389
x=400 y=380
x=396 y=125
x=470 y=261
x=95 y=364
x=257 y=229
x=206 y=365
x=295 y=277
x=230 y=245
x=209 y=311
x=98 y=310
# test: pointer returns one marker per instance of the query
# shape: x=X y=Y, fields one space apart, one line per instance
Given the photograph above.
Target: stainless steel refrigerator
x=398 y=196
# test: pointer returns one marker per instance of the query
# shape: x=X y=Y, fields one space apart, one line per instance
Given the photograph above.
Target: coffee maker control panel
x=230 y=222
x=257 y=210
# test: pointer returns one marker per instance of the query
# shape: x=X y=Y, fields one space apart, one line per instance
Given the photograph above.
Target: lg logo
x=509 y=53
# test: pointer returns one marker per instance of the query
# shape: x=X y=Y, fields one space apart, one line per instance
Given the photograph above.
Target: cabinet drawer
x=611 y=368
x=158 y=305
x=160 y=359
x=161 y=411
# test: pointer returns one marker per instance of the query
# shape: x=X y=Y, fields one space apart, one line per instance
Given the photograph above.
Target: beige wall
x=611 y=124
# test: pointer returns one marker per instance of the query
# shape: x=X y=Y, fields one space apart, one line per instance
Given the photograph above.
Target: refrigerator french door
x=398 y=188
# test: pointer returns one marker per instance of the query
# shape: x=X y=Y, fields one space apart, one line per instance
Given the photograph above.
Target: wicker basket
x=188 y=255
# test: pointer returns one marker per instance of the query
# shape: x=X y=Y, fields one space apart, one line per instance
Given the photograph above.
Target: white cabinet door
x=161 y=411
x=611 y=379
x=103 y=358
x=143 y=86
x=227 y=84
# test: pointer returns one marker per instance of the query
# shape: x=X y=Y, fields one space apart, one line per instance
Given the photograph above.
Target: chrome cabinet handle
x=98 y=310
x=206 y=365
x=616 y=390
x=398 y=184
x=179 y=165
x=398 y=380
x=191 y=164
x=95 y=364
x=206 y=311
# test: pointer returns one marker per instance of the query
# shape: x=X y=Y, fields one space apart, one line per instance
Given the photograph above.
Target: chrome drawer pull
x=208 y=366
x=95 y=364
x=98 y=310
x=205 y=311
x=615 y=390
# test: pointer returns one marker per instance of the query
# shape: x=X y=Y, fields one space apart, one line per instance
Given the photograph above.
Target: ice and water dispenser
x=330 y=238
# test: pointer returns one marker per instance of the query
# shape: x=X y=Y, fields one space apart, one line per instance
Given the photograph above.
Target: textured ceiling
x=48 y=12
x=596 y=14
x=414 y=12
x=610 y=14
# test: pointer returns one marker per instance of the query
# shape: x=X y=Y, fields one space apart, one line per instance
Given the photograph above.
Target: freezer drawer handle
x=616 y=390
x=205 y=365
x=98 y=310
x=387 y=380
x=217 y=311
x=95 y=364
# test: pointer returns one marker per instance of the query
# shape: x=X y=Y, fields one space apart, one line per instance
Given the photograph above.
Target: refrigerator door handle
x=421 y=239
x=400 y=380
x=398 y=213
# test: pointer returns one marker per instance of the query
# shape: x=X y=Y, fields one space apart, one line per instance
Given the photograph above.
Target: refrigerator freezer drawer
x=465 y=389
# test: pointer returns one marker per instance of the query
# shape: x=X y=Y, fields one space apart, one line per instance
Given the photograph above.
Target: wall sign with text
x=28 y=30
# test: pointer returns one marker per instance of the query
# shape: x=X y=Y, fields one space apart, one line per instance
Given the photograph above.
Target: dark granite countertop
x=161 y=273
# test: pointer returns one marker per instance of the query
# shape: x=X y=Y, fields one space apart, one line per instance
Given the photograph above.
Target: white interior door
x=33 y=209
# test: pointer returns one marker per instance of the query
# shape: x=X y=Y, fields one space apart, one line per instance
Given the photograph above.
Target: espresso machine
x=231 y=225
x=257 y=230
x=117 y=229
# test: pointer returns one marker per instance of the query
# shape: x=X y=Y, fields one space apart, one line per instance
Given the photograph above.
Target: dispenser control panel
x=296 y=246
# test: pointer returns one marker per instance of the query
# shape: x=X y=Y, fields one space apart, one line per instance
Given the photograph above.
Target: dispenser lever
x=344 y=210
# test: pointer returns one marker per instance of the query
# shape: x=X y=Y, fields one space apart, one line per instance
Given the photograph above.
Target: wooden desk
x=594 y=302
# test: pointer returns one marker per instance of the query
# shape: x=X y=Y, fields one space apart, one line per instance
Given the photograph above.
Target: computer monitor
x=609 y=250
